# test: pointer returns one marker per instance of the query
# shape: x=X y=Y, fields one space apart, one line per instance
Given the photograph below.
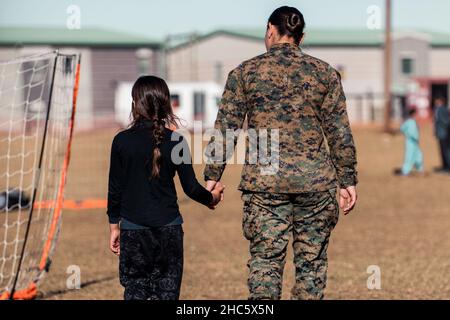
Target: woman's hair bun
x=293 y=22
x=289 y=22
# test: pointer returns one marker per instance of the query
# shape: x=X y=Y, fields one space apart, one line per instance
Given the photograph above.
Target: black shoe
x=398 y=172
x=442 y=170
x=13 y=199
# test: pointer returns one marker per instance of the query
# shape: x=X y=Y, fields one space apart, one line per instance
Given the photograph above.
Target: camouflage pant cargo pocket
x=257 y=208
x=334 y=208
x=266 y=224
x=315 y=217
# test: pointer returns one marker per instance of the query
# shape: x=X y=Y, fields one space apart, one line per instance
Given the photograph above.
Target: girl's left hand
x=114 y=239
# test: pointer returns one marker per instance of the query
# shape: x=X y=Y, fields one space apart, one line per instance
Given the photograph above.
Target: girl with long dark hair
x=145 y=221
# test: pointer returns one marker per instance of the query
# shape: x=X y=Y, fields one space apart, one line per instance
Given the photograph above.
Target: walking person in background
x=442 y=128
x=413 y=154
x=300 y=98
x=143 y=199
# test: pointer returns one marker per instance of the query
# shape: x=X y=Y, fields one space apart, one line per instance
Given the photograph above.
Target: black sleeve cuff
x=113 y=220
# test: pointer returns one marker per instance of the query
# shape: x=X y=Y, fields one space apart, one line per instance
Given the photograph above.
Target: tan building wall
x=211 y=59
x=362 y=68
x=362 y=75
x=440 y=62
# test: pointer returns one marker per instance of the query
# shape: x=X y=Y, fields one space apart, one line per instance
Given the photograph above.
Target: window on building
x=407 y=66
x=36 y=75
x=143 y=66
x=175 y=99
x=199 y=105
x=143 y=57
x=218 y=68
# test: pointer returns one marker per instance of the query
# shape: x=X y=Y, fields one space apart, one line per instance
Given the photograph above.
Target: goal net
x=37 y=108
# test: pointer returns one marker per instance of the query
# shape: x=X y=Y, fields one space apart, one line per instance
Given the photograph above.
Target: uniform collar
x=283 y=47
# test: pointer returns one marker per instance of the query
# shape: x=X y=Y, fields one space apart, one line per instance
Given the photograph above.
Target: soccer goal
x=37 y=112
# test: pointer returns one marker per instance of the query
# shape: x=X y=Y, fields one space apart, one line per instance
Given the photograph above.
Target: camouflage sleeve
x=231 y=116
x=337 y=130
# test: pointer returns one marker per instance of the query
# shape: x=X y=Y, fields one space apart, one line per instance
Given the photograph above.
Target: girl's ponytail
x=151 y=102
x=158 y=135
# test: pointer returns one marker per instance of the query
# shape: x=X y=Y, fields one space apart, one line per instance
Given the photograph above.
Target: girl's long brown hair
x=151 y=102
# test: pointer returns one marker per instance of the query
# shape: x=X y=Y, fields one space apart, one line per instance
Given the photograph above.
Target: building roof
x=93 y=37
x=97 y=37
x=335 y=37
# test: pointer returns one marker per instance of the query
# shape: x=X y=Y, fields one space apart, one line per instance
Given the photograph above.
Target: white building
x=193 y=102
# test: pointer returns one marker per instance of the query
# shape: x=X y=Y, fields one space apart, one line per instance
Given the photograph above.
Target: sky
x=157 y=18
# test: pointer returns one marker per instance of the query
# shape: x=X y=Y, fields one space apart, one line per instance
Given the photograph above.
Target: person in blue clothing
x=413 y=155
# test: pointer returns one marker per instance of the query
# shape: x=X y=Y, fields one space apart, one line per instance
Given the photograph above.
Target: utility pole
x=388 y=67
x=164 y=67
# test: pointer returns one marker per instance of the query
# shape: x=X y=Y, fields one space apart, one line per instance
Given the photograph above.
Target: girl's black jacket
x=133 y=194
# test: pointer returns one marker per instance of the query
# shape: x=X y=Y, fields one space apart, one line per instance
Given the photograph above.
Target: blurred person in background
x=413 y=154
x=442 y=128
x=301 y=98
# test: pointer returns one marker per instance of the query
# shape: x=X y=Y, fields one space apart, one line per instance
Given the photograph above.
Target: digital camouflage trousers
x=268 y=221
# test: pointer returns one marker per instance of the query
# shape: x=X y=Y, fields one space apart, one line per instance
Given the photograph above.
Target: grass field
x=400 y=225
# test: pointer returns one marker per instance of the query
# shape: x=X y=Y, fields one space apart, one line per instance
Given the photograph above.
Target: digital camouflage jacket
x=302 y=97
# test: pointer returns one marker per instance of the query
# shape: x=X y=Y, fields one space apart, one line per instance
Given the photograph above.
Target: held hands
x=347 y=199
x=216 y=189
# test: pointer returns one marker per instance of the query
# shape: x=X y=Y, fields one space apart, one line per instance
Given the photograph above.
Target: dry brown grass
x=400 y=224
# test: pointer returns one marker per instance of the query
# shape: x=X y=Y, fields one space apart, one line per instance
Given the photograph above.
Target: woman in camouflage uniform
x=300 y=99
